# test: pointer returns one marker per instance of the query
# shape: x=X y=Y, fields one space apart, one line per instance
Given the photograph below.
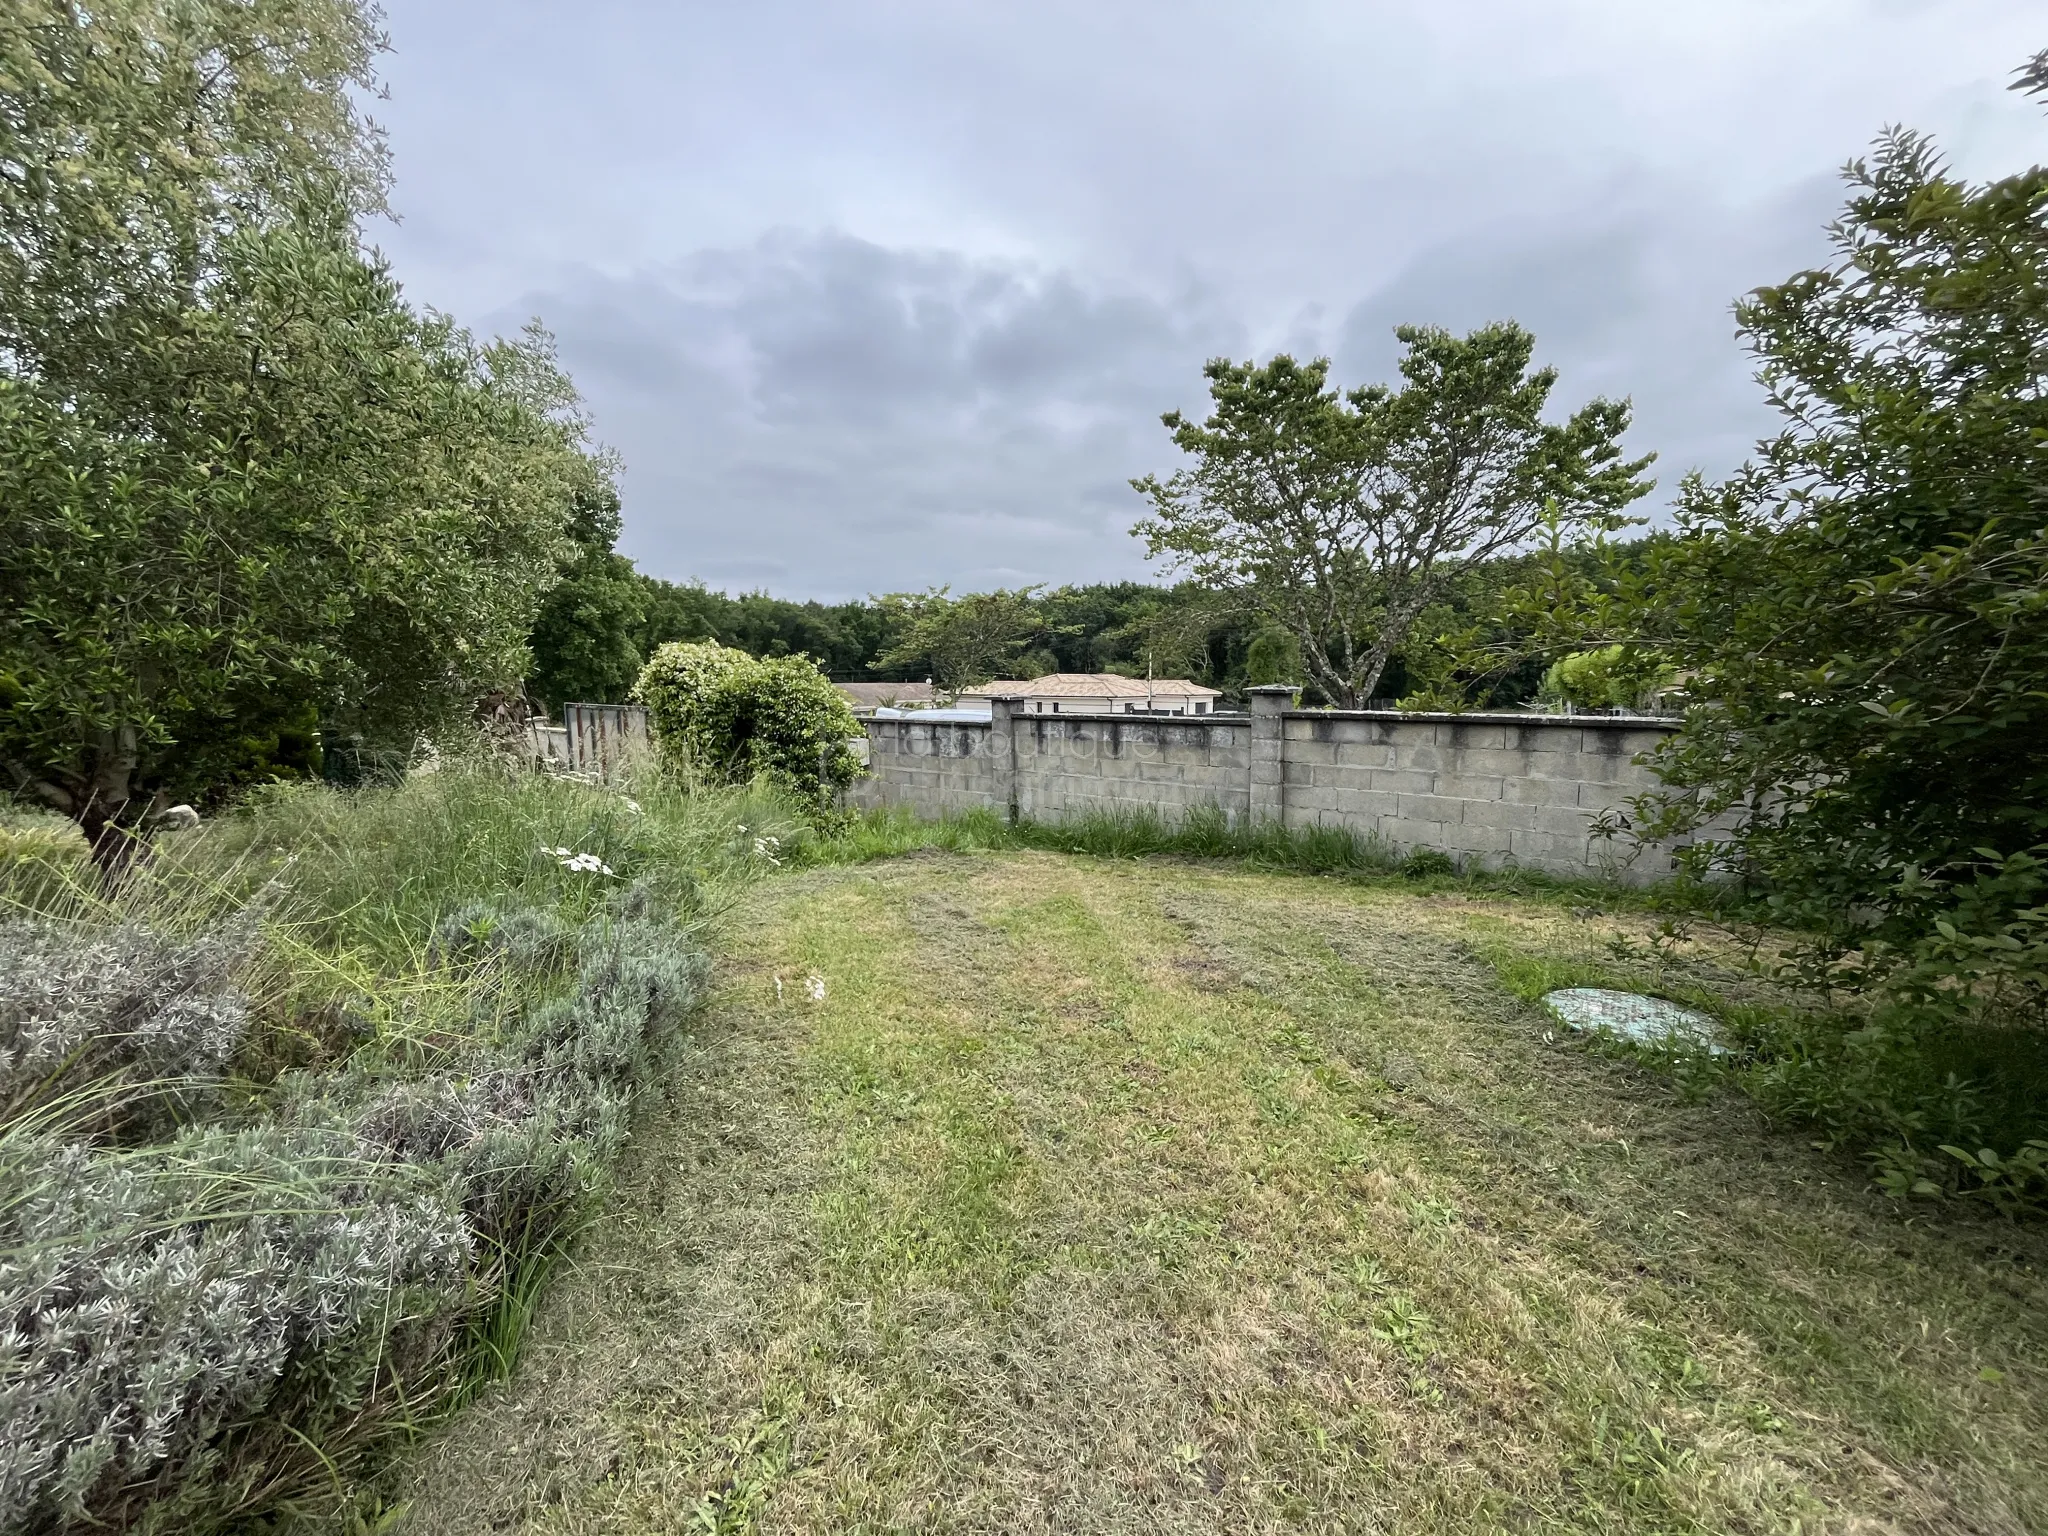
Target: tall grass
x=309 y=1105
x=1203 y=833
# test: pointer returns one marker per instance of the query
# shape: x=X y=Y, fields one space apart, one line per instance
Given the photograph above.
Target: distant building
x=1099 y=693
x=866 y=698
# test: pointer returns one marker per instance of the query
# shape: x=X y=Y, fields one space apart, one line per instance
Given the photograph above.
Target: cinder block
x=1501 y=762
x=1430 y=808
x=1530 y=843
x=1401 y=781
x=1540 y=736
x=1533 y=791
x=1555 y=765
x=1559 y=820
x=1406 y=832
x=1462 y=786
x=1462 y=838
x=1346 y=781
x=1366 y=754
x=1595 y=795
x=1460 y=737
x=1350 y=734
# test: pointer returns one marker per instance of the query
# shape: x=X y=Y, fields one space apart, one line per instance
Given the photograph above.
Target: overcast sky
x=872 y=296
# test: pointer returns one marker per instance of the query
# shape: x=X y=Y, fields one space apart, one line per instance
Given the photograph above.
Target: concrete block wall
x=1497 y=789
x=1485 y=788
x=934 y=768
x=1068 y=765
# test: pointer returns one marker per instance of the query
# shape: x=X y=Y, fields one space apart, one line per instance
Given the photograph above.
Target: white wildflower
x=768 y=848
x=778 y=989
x=580 y=863
x=633 y=806
x=815 y=985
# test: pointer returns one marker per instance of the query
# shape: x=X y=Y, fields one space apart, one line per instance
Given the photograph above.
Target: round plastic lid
x=1632 y=1016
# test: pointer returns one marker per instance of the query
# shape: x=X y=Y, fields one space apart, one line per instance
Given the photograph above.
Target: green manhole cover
x=1632 y=1016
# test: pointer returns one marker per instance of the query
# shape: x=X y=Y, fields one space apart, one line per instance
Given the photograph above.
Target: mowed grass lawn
x=1130 y=1197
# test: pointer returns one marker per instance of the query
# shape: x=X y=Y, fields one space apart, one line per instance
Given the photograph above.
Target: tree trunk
x=115 y=843
x=107 y=811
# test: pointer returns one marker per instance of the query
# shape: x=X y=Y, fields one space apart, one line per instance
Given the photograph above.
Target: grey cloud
x=830 y=416
x=1055 y=212
x=880 y=418
x=1635 y=300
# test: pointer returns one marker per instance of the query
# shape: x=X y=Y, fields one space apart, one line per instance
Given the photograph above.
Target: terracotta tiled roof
x=1094 y=685
x=1002 y=685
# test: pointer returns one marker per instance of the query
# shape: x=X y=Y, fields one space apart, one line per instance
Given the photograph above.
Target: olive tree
x=243 y=480
x=1341 y=518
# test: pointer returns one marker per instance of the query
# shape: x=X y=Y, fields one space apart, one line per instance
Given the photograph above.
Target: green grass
x=1134 y=1196
x=1205 y=833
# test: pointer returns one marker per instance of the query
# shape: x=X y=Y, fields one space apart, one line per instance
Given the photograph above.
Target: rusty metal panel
x=603 y=737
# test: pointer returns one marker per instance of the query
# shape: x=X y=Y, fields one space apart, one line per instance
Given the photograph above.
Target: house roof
x=873 y=694
x=1001 y=686
x=1094 y=685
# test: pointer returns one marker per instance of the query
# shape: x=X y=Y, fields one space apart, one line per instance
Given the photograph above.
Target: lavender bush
x=188 y=1297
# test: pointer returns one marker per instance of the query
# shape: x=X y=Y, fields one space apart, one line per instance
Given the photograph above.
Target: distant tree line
x=605 y=619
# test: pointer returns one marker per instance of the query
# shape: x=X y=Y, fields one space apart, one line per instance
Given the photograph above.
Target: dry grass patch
x=1143 y=1197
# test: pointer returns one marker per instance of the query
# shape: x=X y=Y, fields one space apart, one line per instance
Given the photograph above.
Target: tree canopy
x=246 y=485
x=1860 y=614
x=962 y=641
x=1341 y=518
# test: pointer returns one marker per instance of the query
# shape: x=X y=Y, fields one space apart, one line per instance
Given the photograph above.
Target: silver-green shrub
x=152 y=1299
x=170 y=1308
x=85 y=1011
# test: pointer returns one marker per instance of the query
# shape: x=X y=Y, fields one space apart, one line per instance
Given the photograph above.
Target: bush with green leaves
x=1612 y=677
x=1859 y=621
x=224 y=1281
x=727 y=716
x=250 y=491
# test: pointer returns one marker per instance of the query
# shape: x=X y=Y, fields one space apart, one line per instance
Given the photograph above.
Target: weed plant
x=293 y=1124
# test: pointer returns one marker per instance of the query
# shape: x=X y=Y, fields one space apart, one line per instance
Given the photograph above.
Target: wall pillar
x=1270 y=702
x=1002 y=748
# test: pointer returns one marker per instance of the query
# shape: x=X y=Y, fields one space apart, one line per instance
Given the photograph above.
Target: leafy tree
x=1341 y=519
x=242 y=479
x=1474 y=648
x=724 y=713
x=140 y=142
x=1274 y=657
x=586 y=641
x=965 y=640
x=1614 y=676
x=844 y=637
x=1861 y=613
x=1167 y=634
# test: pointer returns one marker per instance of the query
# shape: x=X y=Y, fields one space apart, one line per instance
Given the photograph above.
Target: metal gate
x=602 y=737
